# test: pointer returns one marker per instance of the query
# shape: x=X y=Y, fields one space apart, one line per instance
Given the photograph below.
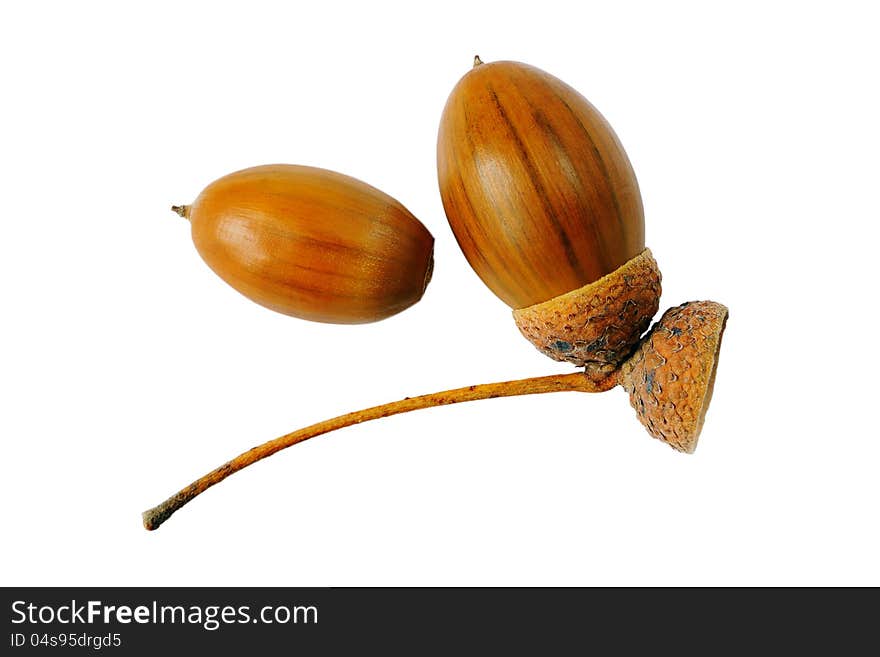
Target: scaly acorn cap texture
x=596 y=326
x=671 y=375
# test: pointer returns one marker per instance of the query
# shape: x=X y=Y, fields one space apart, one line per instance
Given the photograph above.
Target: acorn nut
x=546 y=208
x=312 y=243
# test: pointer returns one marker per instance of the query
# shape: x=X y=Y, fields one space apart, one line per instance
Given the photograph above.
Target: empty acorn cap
x=596 y=326
x=671 y=375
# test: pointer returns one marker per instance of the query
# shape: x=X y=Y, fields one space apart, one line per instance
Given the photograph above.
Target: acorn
x=545 y=205
x=312 y=243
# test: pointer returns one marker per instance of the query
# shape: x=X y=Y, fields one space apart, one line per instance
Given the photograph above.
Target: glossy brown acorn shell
x=312 y=243
x=671 y=375
x=536 y=186
x=598 y=325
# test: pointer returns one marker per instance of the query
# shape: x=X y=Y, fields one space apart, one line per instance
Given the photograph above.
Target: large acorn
x=546 y=208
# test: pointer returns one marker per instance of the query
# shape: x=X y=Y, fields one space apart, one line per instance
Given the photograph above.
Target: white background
x=127 y=368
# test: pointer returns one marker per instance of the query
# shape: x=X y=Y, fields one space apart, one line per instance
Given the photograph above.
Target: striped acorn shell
x=535 y=184
x=544 y=203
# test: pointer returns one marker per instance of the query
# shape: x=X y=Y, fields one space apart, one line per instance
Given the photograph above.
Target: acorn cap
x=596 y=326
x=670 y=376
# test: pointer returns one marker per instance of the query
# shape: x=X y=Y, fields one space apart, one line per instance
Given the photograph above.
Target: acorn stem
x=576 y=382
x=182 y=210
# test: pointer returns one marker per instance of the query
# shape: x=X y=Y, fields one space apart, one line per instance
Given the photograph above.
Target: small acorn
x=312 y=243
x=546 y=208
